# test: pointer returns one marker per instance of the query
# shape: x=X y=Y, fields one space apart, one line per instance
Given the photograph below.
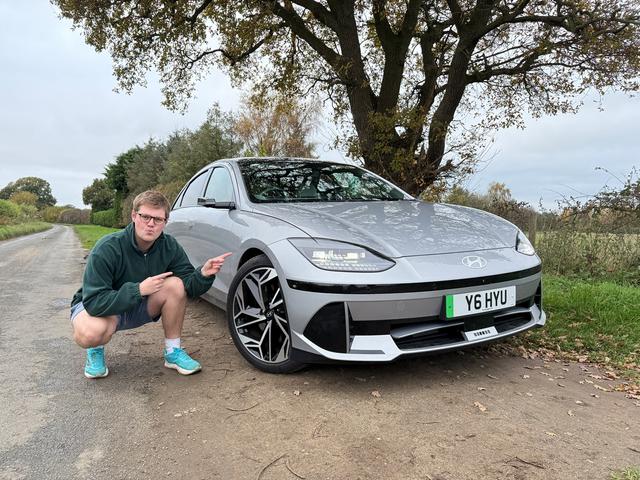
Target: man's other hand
x=212 y=266
x=151 y=285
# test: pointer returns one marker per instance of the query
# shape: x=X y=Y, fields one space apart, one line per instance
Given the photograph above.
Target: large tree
x=419 y=81
x=38 y=186
x=99 y=195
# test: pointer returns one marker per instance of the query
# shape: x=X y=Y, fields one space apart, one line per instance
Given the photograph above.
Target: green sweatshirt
x=116 y=266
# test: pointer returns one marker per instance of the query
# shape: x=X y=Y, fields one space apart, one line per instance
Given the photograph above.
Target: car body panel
x=399 y=228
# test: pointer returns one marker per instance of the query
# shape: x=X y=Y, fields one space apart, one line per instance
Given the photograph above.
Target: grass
x=596 y=320
x=591 y=255
x=630 y=473
x=11 y=231
x=90 y=234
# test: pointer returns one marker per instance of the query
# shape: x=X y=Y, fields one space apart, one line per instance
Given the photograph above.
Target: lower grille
x=444 y=333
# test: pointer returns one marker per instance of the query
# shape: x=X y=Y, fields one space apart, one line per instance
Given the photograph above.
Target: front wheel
x=257 y=317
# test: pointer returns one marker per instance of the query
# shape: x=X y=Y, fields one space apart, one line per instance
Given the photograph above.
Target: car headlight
x=523 y=245
x=340 y=256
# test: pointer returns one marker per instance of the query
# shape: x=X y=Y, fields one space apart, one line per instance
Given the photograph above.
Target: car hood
x=398 y=228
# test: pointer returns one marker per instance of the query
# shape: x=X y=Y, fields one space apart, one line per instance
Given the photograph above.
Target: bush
x=9 y=212
x=28 y=212
x=24 y=198
x=74 y=216
x=106 y=218
x=51 y=214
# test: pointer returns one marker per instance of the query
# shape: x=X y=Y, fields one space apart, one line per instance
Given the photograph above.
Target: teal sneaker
x=181 y=361
x=95 y=366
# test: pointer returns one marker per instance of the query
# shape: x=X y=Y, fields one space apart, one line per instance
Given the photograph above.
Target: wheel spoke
x=253 y=284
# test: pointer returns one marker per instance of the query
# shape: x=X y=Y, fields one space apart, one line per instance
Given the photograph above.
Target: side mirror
x=211 y=203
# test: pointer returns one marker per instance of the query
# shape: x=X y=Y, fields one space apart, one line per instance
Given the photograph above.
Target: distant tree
x=498 y=193
x=24 y=198
x=277 y=126
x=99 y=195
x=39 y=187
x=145 y=167
x=188 y=152
x=418 y=82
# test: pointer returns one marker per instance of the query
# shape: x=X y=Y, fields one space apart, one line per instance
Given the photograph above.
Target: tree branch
x=321 y=14
x=297 y=26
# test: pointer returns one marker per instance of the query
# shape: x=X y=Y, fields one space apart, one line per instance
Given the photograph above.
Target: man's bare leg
x=91 y=331
x=171 y=302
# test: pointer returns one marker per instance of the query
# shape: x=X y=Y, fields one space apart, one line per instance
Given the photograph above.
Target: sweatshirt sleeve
x=195 y=284
x=98 y=295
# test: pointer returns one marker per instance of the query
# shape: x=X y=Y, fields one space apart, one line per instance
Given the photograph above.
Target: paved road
x=457 y=416
x=54 y=423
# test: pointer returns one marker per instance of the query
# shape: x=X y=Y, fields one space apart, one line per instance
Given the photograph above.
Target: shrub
x=74 y=216
x=28 y=212
x=106 y=218
x=51 y=214
x=9 y=212
x=24 y=198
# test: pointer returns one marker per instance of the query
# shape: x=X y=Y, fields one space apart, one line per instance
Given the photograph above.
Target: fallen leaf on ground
x=491 y=376
x=601 y=388
x=480 y=406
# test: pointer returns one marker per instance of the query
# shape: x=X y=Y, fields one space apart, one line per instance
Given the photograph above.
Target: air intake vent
x=328 y=328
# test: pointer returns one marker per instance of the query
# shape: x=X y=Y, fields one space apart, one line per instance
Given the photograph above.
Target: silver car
x=333 y=263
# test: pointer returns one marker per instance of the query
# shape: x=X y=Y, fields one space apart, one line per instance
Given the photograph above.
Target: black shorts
x=134 y=318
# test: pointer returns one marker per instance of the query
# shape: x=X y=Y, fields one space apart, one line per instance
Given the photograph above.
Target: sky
x=61 y=120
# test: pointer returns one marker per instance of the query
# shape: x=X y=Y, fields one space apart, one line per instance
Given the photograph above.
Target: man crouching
x=136 y=276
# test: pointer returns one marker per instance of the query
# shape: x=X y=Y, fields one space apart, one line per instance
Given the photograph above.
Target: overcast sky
x=60 y=120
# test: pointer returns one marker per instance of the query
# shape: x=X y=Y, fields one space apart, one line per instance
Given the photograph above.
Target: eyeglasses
x=156 y=220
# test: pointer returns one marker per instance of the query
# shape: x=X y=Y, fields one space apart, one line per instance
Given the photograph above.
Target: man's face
x=149 y=222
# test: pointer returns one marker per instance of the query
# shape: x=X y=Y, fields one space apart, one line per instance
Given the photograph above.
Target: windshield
x=307 y=181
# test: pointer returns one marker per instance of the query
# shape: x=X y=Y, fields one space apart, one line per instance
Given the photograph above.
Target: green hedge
x=106 y=218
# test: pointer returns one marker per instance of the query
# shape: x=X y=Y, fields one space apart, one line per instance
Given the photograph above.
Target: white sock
x=171 y=343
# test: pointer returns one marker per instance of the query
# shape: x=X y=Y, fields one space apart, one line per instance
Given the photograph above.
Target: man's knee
x=174 y=288
x=89 y=334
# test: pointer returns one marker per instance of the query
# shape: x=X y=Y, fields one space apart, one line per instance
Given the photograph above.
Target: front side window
x=194 y=190
x=305 y=181
x=220 y=188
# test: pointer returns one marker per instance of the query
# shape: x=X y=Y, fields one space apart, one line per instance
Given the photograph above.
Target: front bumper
x=336 y=319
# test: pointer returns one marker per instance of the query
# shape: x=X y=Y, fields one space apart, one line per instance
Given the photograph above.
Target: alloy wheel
x=260 y=316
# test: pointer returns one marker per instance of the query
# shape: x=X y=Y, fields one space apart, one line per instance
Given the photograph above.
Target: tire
x=256 y=305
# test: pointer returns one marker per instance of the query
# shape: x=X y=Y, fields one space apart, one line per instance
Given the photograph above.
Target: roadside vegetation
x=591 y=264
x=27 y=206
x=11 y=231
x=630 y=473
x=90 y=234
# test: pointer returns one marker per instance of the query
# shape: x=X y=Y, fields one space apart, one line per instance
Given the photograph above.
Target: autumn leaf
x=480 y=406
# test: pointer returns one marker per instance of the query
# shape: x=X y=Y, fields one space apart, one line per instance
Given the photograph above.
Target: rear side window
x=194 y=190
x=220 y=188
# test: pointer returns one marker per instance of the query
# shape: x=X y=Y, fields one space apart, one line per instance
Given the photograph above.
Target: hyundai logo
x=473 y=261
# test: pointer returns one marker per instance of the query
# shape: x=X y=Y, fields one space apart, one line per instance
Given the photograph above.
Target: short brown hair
x=154 y=199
